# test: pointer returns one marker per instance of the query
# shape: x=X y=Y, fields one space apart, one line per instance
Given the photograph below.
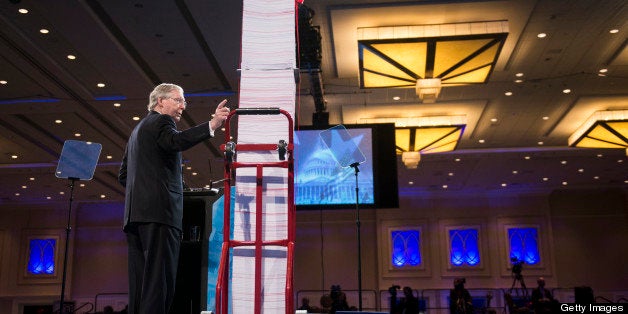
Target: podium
x=191 y=286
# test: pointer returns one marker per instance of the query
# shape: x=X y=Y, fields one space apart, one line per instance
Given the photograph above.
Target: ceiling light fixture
x=424 y=135
x=429 y=57
x=411 y=159
x=428 y=89
x=604 y=129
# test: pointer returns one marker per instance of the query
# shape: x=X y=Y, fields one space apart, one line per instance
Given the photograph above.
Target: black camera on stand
x=517 y=266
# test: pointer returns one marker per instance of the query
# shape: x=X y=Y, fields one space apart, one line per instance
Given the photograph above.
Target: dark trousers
x=153 y=257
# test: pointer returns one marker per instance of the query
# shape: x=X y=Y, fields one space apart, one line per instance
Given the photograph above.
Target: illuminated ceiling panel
x=428 y=139
x=605 y=134
x=455 y=60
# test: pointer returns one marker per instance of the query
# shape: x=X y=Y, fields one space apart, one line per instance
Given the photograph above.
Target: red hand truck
x=284 y=150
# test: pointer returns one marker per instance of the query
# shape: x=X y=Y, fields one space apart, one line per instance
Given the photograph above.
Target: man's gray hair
x=162 y=90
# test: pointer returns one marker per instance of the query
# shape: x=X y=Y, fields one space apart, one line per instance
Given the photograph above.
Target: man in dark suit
x=153 y=211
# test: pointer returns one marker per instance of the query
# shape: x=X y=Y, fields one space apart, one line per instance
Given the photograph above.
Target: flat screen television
x=321 y=182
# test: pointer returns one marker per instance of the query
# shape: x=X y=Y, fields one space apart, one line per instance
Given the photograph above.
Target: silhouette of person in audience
x=409 y=304
x=305 y=305
x=542 y=299
x=459 y=298
x=326 y=302
x=339 y=299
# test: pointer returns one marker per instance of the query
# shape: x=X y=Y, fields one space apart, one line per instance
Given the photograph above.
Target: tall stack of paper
x=267 y=80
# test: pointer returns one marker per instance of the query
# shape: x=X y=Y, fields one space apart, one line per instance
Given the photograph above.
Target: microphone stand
x=357 y=223
x=67 y=242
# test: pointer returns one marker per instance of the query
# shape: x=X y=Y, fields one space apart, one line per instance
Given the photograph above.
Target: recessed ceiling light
x=396 y=98
x=194 y=173
x=620 y=160
x=519 y=74
x=581 y=170
x=24 y=187
x=31 y=179
x=546 y=118
x=515 y=172
x=451 y=174
x=614 y=31
x=600 y=155
x=504 y=184
x=188 y=168
x=445 y=186
x=109 y=157
x=526 y=157
x=508 y=93
x=102 y=196
x=564 y=162
x=545 y=179
x=540 y=143
x=58 y=121
x=604 y=70
x=13 y=156
x=71 y=57
x=77 y=134
x=61 y=193
x=17 y=194
x=519 y=81
x=481 y=141
x=100 y=85
x=3 y=82
x=23 y=11
x=494 y=120
x=410 y=182
x=596 y=177
x=82 y=185
x=117 y=104
x=566 y=90
x=44 y=31
x=48 y=197
x=564 y=183
x=457 y=159
x=541 y=35
x=136 y=118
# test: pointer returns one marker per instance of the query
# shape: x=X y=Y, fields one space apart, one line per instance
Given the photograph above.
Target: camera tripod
x=518 y=278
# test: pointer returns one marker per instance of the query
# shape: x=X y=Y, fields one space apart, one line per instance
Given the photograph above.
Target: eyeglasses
x=179 y=101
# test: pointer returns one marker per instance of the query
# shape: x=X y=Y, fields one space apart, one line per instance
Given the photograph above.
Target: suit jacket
x=151 y=169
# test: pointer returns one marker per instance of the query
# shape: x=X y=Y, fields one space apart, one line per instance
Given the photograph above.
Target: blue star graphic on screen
x=344 y=148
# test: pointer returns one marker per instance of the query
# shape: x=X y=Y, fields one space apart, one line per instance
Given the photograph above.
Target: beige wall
x=583 y=241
